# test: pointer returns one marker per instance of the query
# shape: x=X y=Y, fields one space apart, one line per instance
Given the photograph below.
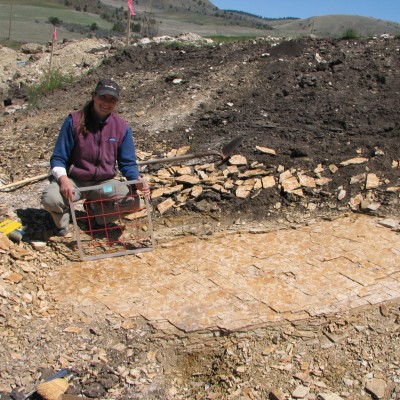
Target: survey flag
x=131 y=7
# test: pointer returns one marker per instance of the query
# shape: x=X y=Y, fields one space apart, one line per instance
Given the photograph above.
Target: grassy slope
x=30 y=20
x=336 y=25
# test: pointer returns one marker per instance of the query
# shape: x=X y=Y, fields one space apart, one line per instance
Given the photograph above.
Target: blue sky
x=381 y=9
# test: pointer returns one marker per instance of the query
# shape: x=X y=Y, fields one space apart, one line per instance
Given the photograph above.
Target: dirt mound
x=316 y=104
x=320 y=136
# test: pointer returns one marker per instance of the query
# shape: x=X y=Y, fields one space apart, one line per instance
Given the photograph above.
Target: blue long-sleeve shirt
x=93 y=157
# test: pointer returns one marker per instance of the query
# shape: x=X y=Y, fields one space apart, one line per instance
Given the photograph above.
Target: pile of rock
x=175 y=186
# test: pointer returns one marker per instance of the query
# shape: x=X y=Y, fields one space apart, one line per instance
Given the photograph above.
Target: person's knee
x=52 y=202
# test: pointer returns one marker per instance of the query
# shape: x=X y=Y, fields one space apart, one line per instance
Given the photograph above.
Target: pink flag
x=131 y=7
x=55 y=34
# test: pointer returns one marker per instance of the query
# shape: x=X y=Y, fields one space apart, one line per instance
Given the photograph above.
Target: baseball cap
x=107 y=86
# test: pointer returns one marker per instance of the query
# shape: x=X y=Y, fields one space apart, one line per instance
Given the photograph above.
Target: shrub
x=52 y=80
x=119 y=27
x=350 y=34
x=55 y=21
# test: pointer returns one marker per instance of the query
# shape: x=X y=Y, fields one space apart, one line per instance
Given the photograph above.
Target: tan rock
x=395 y=163
x=341 y=195
x=140 y=113
x=243 y=191
x=181 y=198
x=319 y=169
x=377 y=387
x=172 y=153
x=393 y=189
x=188 y=179
x=300 y=392
x=13 y=277
x=143 y=155
x=298 y=192
x=165 y=191
x=38 y=245
x=238 y=160
x=136 y=215
x=268 y=182
x=27 y=297
x=285 y=175
x=358 y=178
x=250 y=182
x=164 y=173
x=5 y=243
x=257 y=184
x=230 y=170
x=165 y=205
x=291 y=184
x=220 y=188
x=352 y=161
x=202 y=175
x=372 y=181
x=210 y=167
x=322 y=181
x=367 y=204
x=185 y=170
x=266 y=150
x=307 y=181
x=229 y=184
x=355 y=201
x=311 y=206
x=252 y=172
x=213 y=180
x=196 y=191
x=182 y=150
x=333 y=168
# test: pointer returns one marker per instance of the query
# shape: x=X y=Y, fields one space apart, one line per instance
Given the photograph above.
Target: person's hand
x=144 y=187
x=66 y=188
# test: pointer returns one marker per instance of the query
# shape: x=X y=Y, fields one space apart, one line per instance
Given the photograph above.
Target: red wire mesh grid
x=130 y=232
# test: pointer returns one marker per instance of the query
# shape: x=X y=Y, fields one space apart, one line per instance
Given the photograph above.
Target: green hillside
x=30 y=20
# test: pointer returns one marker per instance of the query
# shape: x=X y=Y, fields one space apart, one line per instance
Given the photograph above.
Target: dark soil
x=314 y=102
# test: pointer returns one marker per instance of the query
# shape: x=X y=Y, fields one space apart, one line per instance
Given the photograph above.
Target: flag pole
x=131 y=12
x=128 y=28
x=10 y=19
x=52 y=50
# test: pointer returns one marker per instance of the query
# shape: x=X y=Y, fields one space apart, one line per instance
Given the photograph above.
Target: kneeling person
x=91 y=143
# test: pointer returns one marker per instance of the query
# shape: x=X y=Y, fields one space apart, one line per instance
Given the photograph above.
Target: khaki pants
x=112 y=195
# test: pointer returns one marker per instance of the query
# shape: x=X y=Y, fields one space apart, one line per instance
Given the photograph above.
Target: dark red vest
x=94 y=156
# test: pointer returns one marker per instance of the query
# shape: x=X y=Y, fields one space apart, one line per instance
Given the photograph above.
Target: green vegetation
x=11 y=44
x=34 y=21
x=350 y=34
x=55 y=21
x=54 y=79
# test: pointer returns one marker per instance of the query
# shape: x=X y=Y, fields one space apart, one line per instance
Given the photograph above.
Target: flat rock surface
x=238 y=281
